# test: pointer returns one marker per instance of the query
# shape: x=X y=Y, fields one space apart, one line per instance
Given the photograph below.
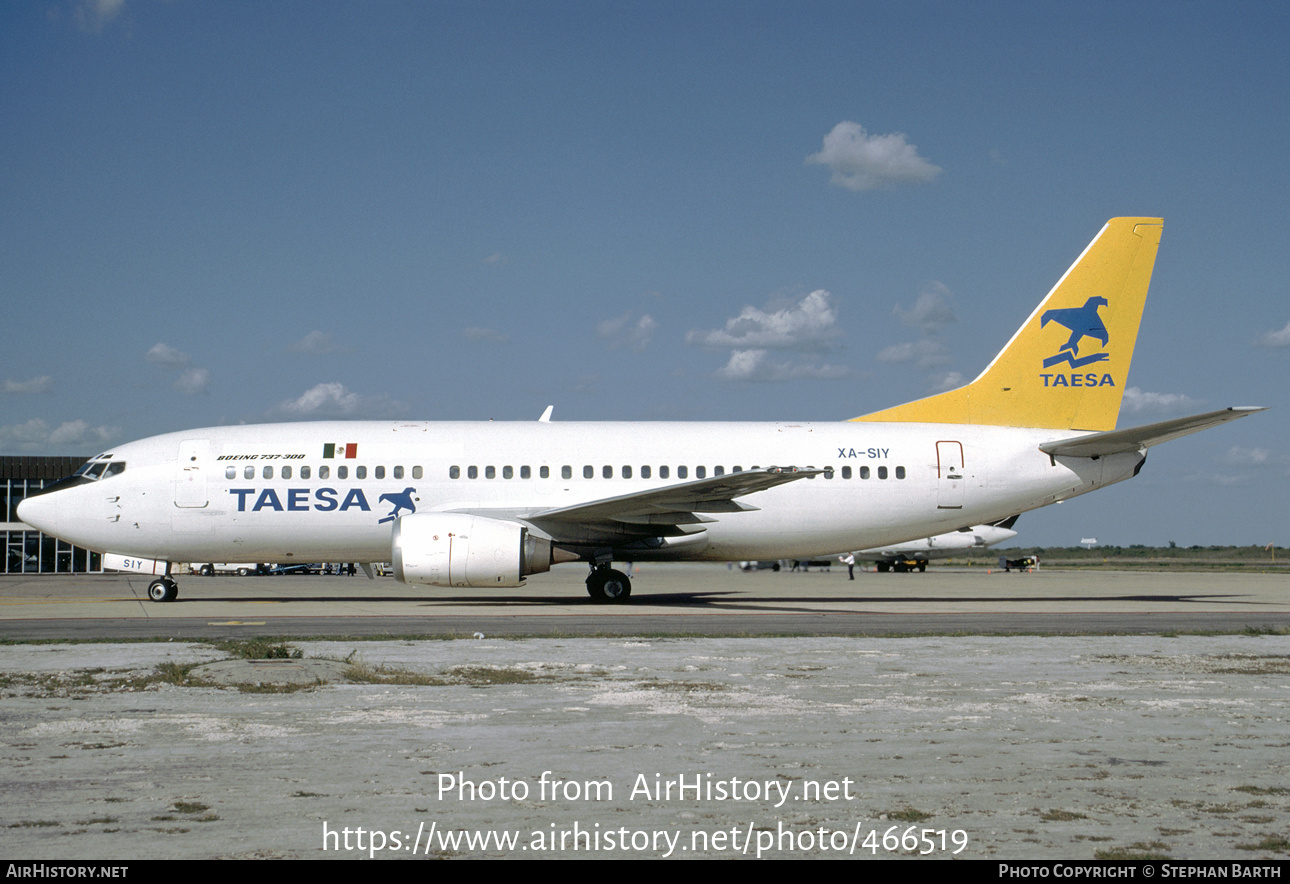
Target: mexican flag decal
x=348 y=449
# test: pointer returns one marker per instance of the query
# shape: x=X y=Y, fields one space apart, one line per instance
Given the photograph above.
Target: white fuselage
x=221 y=493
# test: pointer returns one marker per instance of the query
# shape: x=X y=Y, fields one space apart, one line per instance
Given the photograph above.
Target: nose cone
x=40 y=512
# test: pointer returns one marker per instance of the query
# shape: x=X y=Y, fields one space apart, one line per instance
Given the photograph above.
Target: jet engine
x=457 y=549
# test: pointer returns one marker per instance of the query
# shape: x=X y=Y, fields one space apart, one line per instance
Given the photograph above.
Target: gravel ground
x=1001 y=748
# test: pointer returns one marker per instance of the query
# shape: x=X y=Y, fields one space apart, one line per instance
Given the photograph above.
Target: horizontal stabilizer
x=1136 y=438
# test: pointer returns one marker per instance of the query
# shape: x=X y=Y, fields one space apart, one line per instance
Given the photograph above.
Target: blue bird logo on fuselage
x=403 y=500
x=1083 y=322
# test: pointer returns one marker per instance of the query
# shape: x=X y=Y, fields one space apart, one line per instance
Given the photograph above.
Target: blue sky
x=227 y=212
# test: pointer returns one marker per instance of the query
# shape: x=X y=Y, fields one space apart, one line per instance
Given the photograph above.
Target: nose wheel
x=607 y=586
x=163 y=589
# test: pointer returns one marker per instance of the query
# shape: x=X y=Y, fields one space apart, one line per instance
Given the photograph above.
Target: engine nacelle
x=456 y=549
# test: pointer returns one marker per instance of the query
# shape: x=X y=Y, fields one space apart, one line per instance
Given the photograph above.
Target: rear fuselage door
x=949 y=475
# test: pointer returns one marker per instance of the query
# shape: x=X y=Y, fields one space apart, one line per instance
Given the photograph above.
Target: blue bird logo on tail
x=1083 y=322
x=403 y=500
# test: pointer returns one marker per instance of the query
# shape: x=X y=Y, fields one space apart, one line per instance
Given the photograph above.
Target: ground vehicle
x=241 y=569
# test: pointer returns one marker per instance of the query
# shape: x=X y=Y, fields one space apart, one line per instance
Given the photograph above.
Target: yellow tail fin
x=1066 y=367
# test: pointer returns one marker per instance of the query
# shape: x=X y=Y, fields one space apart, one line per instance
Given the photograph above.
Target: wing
x=660 y=512
x=1118 y=441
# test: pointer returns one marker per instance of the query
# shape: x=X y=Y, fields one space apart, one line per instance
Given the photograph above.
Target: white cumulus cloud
x=317 y=343
x=190 y=379
x=925 y=353
x=860 y=161
x=628 y=333
x=41 y=384
x=1278 y=338
x=810 y=325
x=1138 y=401
x=36 y=435
x=757 y=366
x=931 y=312
x=335 y=400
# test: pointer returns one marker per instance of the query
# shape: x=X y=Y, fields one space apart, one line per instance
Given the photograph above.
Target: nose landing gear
x=163 y=589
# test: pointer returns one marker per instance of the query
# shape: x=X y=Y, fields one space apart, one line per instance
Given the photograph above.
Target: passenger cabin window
x=700 y=472
x=249 y=473
x=682 y=472
x=864 y=472
x=645 y=472
x=526 y=473
x=472 y=472
x=454 y=472
x=324 y=472
x=304 y=472
x=398 y=472
x=416 y=472
x=508 y=472
x=230 y=472
x=588 y=472
x=900 y=472
x=566 y=472
x=846 y=472
x=607 y=471
x=268 y=472
x=664 y=472
x=380 y=472
x=342 y=472
x=359 y=472
x=882 y=472
x=286 y=473
x=490 y=472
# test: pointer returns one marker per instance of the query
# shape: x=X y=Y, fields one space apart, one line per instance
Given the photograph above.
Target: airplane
x=915 y=554
x=486 y=504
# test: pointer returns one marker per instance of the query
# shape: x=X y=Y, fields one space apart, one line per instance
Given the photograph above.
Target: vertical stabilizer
x=1066 y=367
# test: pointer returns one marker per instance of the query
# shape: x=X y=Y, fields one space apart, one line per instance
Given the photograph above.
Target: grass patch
x=1137 y=850
x=258 y=649
x=1263 y=790
x=1062 y=816
x=908 y=815
x=1270 y=844
x=189 y=807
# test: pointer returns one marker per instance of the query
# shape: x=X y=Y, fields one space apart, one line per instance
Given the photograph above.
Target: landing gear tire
x=610 y=587
x=163 y=589
x=922 y=566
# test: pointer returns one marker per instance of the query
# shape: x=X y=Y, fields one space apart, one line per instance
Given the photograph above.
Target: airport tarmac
x=668 y=599
x=811 y=743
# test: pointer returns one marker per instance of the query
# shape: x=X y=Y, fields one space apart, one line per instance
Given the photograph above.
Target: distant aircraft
x=915 y=554
x=486 y=504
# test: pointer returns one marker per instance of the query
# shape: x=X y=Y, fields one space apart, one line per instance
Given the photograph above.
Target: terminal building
x=26 y=550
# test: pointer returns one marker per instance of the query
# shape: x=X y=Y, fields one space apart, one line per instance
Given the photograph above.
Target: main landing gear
x=607 y=586
x=163 y=589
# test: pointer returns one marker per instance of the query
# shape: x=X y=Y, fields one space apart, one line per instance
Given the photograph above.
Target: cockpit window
x=99 y=469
